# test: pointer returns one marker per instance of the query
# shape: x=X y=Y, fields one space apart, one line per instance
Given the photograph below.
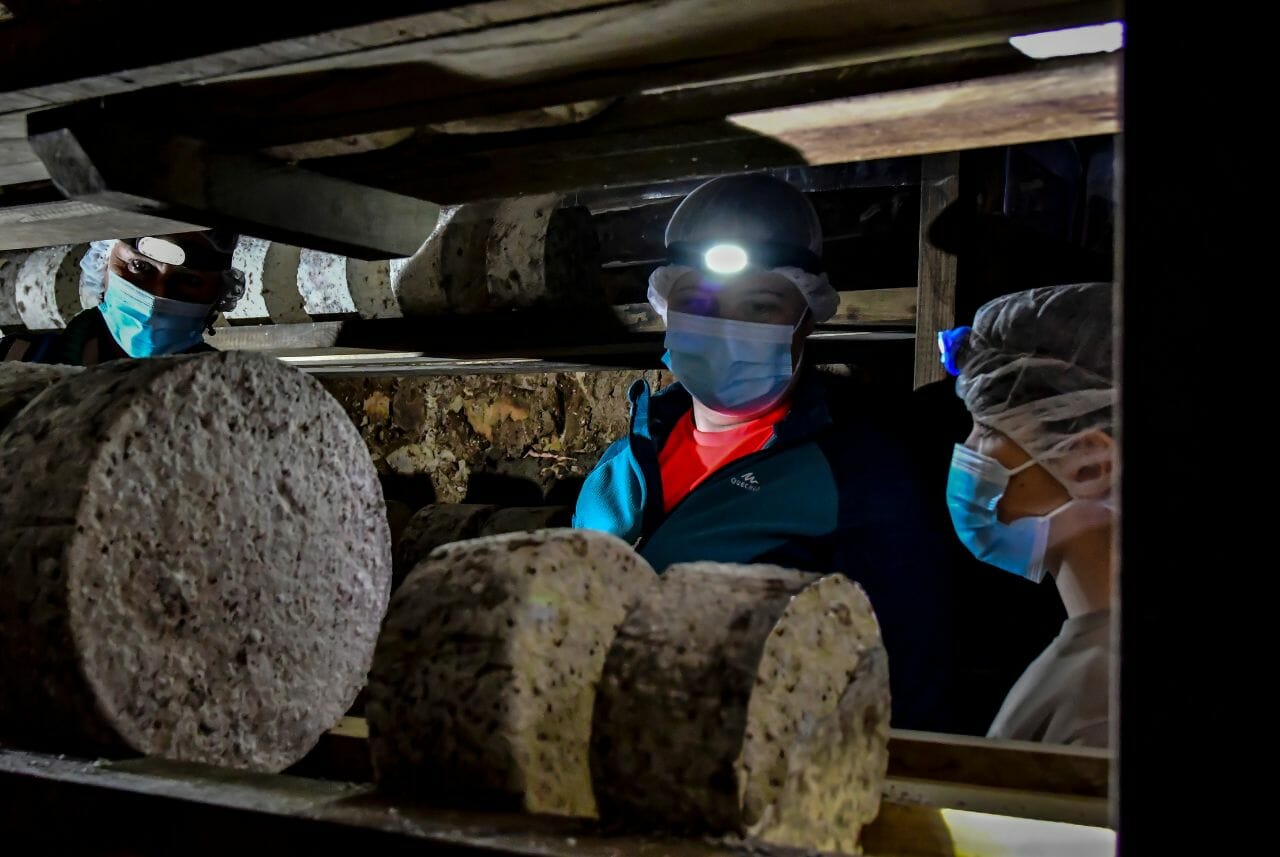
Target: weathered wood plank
x=19 y=163
x=1069 y=98
x=151 y=806
x=936 y=285
x=1073 y=96
x=44 y=54
x=538 y=329
x=53 y=61
x=609 y=51
x=71 y=222
x=1081 y=771
x=937 y=757
x=104 y=162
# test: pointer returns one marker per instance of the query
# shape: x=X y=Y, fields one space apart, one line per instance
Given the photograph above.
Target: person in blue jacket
x=741 y=461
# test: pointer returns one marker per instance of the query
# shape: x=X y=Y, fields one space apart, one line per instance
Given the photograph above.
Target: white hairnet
x=93 y=273
x=750 y=208
x=1037 y=367
x=822 y=299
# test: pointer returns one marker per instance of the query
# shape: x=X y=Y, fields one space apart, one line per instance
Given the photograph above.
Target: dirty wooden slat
x=1071 y=98
x=613 y=50
x=936 y=304
x=94 y=159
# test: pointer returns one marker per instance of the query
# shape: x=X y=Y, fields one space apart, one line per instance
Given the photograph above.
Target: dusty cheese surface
x=485 y=676
x=433 y=526
x=815 y=749
x=746 y=699
x=22 y=382
x=199 y=562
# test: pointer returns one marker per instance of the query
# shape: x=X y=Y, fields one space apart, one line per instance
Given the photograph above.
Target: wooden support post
x=936 y=284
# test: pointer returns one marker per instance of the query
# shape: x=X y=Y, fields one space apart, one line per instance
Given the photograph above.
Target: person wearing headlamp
x=147 y=297
x=741 y=460
x=1030 y=490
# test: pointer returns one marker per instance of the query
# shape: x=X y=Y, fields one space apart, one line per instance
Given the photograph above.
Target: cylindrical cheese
x=197 y=562
x=505 y=254
x=746 y=699
x=433 y=526
x=22 y=382
x=485 y=675
x=47 y=287
x=516 y=519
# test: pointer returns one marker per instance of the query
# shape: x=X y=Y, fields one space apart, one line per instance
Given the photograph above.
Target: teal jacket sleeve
x=613 y=496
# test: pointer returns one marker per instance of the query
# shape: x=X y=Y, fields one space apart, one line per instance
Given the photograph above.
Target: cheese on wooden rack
x=485 y=675
x=746 y=699
x=196 y=562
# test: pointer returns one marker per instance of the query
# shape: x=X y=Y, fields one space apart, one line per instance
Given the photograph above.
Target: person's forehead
x=996 y=443
x=194 y=247
x=742 y=285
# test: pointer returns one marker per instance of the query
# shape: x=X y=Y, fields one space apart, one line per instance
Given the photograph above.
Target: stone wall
x=505 y=439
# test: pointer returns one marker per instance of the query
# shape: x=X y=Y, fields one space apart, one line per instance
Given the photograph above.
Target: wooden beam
x=938 y=757
x=19 y=163
x=1064 y=98
x=936 y=303
x=106 y=163
x=55 y=59
x=545 y=332
x=1070 y=98
x=621 y=49
x=1050 y=768
x=151 y=806
x=52 y=61
x=69 y=222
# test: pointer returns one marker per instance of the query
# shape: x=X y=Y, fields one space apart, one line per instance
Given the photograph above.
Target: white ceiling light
x=1096 y=39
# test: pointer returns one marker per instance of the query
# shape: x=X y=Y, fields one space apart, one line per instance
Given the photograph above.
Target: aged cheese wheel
x=47 y=286
x=22 y=382
x=485 y=675
x=746 y=699
x=522 y=252
x=10 y=265
x=516 y=519
x=432 y=526
x=196 y=562
x=271 y=282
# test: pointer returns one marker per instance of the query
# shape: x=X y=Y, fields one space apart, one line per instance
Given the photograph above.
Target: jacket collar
x=654 y=415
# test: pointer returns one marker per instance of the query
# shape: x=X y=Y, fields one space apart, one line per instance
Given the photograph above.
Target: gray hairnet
x=1037 y=367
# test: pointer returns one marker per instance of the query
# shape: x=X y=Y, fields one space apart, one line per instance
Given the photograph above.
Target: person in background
x=147 y=297
x=1030 y=490
x=740 y=461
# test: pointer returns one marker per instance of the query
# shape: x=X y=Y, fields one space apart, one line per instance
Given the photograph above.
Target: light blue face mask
x=739 y=368
x=147 y=326
x=974 y=488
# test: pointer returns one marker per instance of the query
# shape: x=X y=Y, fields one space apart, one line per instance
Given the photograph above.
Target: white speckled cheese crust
x=485 y=675
x=198 y=562
x=746 y=699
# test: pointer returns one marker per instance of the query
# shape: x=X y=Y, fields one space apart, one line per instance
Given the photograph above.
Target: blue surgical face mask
x=739 y=368
x=147 y=326
x=974 y=488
